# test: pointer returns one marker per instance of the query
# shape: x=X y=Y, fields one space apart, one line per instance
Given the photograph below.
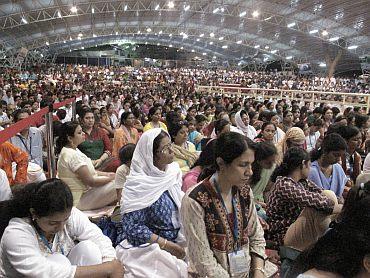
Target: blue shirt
x=161 y=218
x=335 y=182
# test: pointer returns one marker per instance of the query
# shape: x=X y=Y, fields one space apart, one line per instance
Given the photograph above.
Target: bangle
x=259 y=269
x=156 y=241
x=164 y=245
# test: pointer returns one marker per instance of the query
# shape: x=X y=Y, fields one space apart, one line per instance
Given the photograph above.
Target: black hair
x=347 y=132
x=206 y=160
x=65 y=130
x=286 y=112
x=316 y=122
x=342 y=248
x=18 y=112
x=360 y=120
x=228 y=146
x=157 y=141
x=175 y=127
x=200 y=118
x=264 y=125
x=292 y=160
x=124 y=117
x=340 y=118
x=61 y=114
x=300 y=124
x=126 y=153
x=263 y=151
x=220 y=124
x=46 y=198
x=331 y=143
x=317 y=110
x=84 y=112
x=152 y=111
x=252 y=114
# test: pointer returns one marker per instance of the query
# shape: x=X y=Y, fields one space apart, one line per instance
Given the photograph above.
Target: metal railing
x=341 y=100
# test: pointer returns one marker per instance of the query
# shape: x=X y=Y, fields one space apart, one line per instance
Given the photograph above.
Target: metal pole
x=74 y=110
x=50 y=144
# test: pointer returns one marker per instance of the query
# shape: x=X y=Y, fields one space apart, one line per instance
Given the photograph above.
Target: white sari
x=144 y=186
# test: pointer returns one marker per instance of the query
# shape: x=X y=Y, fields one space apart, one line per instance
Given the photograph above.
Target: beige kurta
x=202 y=230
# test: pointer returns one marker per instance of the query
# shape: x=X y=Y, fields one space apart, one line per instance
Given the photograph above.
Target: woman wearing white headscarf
x=242 y=123
x=150 y=204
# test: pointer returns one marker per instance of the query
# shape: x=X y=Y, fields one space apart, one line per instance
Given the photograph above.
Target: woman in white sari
x=242 y=123
x=150 y=204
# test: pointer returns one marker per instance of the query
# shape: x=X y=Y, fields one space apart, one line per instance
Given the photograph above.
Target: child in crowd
x=125 y=156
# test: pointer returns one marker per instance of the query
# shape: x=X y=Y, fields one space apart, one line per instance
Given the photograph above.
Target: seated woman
x=126 y=133
x=97 y=145
x=266 y=133
x=222 y=126
x=294 y=137
x=185 y=153
x=219 y=216
x=10 y=154
x=150 y=204
x=125 y=156
x=242 y=123
x=204 y=161
x=275 y=119
x=155 y=114
x=91 y=189
x=326 y=172
x=344 y=250
x=351 y=161
x=105 y=122
x=298 y=211
x=263 y=166
x=194 y=136
x=43 y=235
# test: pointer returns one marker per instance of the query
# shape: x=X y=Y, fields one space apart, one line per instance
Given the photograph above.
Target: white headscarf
x=146 y=183
x=248 y=130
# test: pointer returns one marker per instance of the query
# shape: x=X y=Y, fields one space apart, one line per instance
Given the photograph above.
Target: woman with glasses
x=150 y=204
x=185 y=152
x=126 y=133
x=243 y=124
x=155 y=114
x=326 y=172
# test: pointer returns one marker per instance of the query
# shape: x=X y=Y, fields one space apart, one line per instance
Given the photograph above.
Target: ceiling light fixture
x=242 y=14
x=74 y=9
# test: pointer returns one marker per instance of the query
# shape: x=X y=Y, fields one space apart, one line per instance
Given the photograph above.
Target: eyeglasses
x=166 y=148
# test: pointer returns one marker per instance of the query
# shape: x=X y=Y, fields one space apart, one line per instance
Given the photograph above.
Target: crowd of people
x=207 y=185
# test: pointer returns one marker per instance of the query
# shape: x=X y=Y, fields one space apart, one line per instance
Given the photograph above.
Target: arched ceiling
x=230 y=29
